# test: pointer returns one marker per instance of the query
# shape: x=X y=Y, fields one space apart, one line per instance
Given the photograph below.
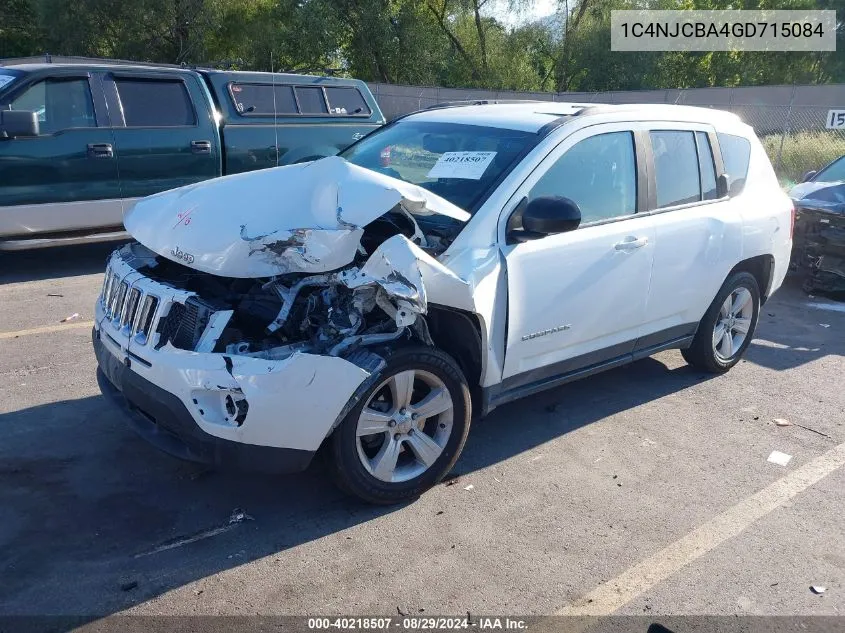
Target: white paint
x=633 y=582
x=832 y=307
x=781 y=459
x=305 y=218
x=462 y=165
x=426 y=275
x=576 y=278
x=835 y=120
x=309 y=218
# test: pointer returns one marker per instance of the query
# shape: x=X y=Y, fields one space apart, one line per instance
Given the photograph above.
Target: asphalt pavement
x=644 y=490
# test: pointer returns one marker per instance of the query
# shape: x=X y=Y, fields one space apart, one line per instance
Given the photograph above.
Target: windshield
x=833 y=172
x=457 y=162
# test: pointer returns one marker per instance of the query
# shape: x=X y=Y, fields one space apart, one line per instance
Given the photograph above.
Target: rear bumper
x=164 y=421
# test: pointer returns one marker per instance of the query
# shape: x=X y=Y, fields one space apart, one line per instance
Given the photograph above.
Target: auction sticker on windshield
x=4 y=79
x=466 y=165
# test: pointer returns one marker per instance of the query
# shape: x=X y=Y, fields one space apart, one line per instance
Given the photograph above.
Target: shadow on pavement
x=790 y=333
x=55 y=262
x=87 y=508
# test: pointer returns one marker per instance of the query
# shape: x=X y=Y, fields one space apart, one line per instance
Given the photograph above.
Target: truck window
x=675 y=168
x=346 y=101
x=258 y=99
x=311 y=100
x=155 y=103
x=735 y=154
x=60 y=104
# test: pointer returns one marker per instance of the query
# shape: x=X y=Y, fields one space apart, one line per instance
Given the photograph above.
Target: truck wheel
x=407 y=431
x=727 y=327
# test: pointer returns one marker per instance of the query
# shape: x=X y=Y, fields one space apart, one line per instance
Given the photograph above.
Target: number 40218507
x=835 y=120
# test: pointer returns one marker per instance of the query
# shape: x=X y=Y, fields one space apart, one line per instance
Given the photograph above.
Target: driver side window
x=59 y=103
x=599 y=174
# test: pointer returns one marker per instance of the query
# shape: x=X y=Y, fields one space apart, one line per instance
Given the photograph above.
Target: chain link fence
x=790 y=120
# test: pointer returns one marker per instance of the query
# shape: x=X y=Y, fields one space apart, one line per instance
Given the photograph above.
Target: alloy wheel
x=733 y=323
x=404 y=426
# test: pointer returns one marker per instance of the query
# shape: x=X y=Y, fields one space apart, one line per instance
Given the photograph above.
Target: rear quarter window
x=736 y=152
x=347 y=101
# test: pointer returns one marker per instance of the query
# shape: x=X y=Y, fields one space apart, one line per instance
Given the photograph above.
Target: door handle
x=201 y=147
x=100 y=150
x=631 y=243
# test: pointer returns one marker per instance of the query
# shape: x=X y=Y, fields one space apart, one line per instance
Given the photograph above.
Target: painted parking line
x=46 y=329
x=619 y=591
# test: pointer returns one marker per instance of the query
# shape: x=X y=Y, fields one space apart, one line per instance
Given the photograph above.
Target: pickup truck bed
x=111 y=134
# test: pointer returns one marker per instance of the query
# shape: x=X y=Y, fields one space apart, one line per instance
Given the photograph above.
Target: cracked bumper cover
x=176 y=401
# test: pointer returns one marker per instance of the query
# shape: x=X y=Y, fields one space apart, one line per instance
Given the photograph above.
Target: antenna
x=275 y=112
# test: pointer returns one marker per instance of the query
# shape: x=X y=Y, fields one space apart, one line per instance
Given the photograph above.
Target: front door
x=578 y=299
x=66 y=178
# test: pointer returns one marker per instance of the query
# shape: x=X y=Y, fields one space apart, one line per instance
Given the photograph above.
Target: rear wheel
x=728 y=325
x=407 y=431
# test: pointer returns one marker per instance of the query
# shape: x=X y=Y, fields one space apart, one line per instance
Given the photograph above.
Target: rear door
x=698 y=233
x=165 y=133
x=50 y=183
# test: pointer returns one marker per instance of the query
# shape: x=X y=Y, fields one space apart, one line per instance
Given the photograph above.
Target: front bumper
x=203 y=406
x=164 y=421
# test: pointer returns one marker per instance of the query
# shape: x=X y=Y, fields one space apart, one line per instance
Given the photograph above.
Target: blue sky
x=536 y=9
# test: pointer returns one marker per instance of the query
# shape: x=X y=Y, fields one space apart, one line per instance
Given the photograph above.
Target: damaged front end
x=819 y=244
x=321 y=258
x=274 y=311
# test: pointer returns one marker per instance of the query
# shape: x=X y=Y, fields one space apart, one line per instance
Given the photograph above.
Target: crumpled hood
x=305 y=218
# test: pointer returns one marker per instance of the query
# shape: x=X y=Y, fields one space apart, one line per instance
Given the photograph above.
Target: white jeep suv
x=456 y=259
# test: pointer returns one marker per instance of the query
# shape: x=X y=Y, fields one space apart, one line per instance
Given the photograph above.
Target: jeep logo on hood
x=182 y=255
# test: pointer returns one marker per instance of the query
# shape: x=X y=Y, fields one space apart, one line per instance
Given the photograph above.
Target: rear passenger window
x=599 y=174
x=676 y=168
x=346 y=101
x=311 y=100
x=258 y=99
x=735 y=154
x=155 y=103
x=708 y=169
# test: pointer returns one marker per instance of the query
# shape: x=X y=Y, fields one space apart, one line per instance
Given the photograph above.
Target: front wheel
x=407 y=431
x=728 y=325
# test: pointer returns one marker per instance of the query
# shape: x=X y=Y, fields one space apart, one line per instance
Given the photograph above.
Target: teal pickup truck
x=79 y=143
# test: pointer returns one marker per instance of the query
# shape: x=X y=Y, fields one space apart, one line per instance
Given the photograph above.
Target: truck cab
x=105 y=135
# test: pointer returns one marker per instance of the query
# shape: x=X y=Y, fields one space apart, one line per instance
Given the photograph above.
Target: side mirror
x=809 y=176
x=18 y=123
x=544 y=216
x=722 y=186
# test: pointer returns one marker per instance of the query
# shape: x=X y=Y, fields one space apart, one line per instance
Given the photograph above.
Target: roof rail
x=472 y=102
x=47 y=58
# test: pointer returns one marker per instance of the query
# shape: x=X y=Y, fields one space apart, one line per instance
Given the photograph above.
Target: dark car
x=819 y=242
x=81 y=142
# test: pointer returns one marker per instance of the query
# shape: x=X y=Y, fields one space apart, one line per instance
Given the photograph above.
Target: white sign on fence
x=835 y=120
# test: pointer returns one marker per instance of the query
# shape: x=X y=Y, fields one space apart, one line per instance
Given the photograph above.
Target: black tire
x=347 y=468
x=701 y=354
